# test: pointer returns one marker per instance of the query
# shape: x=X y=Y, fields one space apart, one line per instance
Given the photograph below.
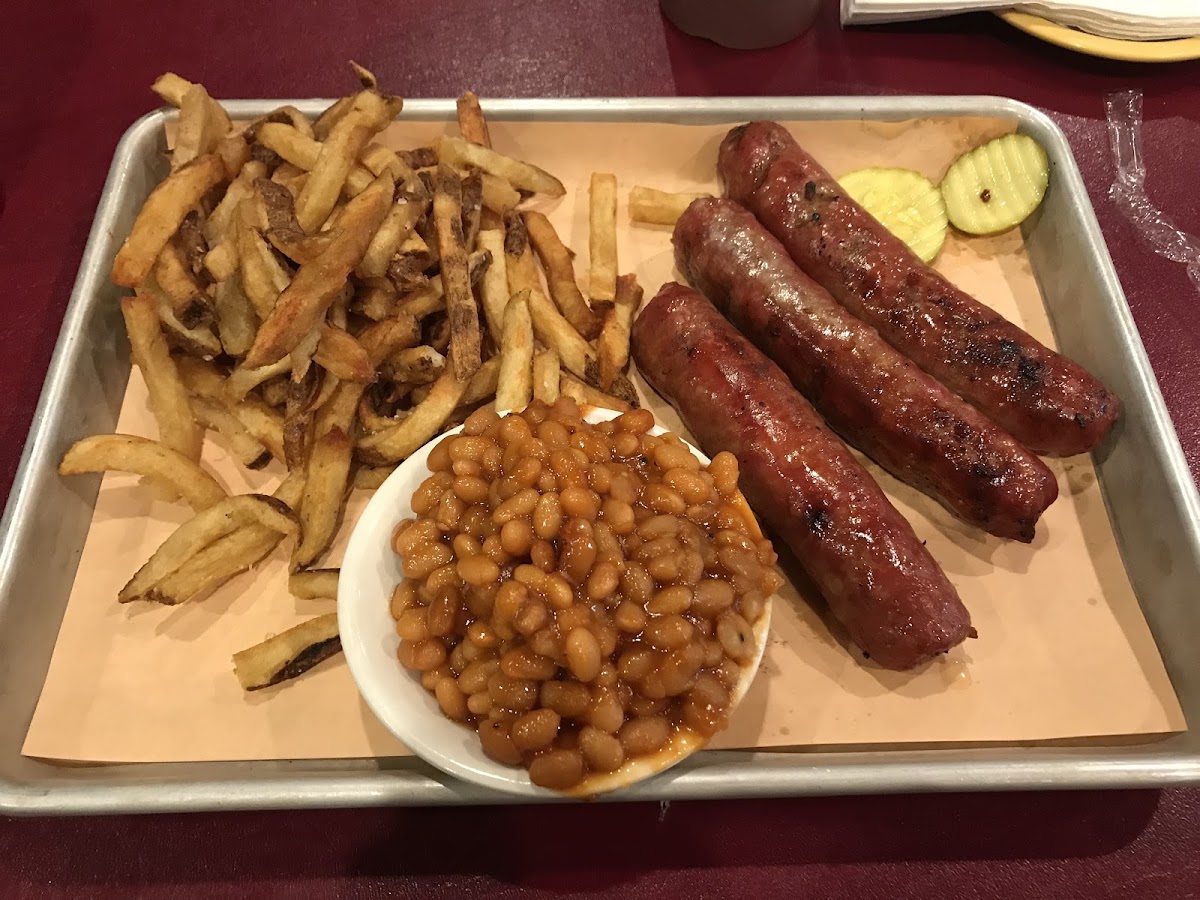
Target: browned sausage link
x=875 y=397
x=877 y=577
x=1046 y=401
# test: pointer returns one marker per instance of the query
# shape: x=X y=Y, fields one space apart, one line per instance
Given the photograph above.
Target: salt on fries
x=315 y=297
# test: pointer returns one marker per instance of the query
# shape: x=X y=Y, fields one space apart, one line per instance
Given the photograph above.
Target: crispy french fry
x=331 y=116
x=420 y=425
x=612 y=349
x=547 y=376
x=342 y=355
x=397 y=225
x=167 y=395
x=199 y=341
x=371 y=478
x=171 y=88
x=243 y=380
x=202 y=125
x=221 y=262
x=202 y=530
x=483 y=383
x=376 y=299
x=462 y=313
x=493 y=288
x=186 y=299
x=471 y=122
x=555 y=331
x=264 y=423
x=521 y=175
x=472 y=207
x=621 y=388
x=219 y=222
x=560 y=275
x=288 y=655
x=236 y=319
x=300 y=150
x=586 y=395
x=264 y=278
x=315 y=584
x=653 y=207
x=234 y=153
x=324 y=495
x=602 y=238
x=417 y=365
x=150 y=459
x=160 y=216
x=317 y=284
x=212 y=415
x=514 y=383
x=371 y=113
x=498 y=195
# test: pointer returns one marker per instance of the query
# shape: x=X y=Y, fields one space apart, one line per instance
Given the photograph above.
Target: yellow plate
x=1174 y=50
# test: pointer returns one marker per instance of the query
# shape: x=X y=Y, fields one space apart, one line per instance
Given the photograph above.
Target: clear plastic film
x=1128 y=191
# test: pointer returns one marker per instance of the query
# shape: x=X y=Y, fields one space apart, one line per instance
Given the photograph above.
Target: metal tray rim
x=725 y=773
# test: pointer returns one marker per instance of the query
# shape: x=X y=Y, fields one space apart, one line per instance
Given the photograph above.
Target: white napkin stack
x=1136 y=20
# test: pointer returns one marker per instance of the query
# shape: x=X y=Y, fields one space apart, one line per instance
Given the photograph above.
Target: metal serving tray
x=1147 y=486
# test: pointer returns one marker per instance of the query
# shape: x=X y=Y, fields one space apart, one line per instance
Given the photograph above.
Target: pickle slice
x=996 y=185
x=905 y=202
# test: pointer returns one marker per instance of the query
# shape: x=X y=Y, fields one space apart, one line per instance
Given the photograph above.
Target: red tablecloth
x=73 y=75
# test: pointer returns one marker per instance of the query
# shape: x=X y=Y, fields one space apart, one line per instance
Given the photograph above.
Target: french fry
x=371 y=478
x=397 y=225
x=202 y=125
x=324 y=495
x=555 y=331
x=331 y=116
x=498 y=195
x=612 y=349
x=521 y=175
x=150 y=459
x=370 y=113
x=289 y=654
x=417 y=365
x=547 y=376
x=230 y=555
x=219 y=222
x=493 y=289
x=315 y=584
x=234 y=153
x=420 y=425
x=342 y=355
x=236 y=319
x=462 y=313
x=471 y=122
x=653 y=207
x=483 y=383
x=186 y=299
x=560 y=275
x=243 y=380
x=212 y=415
x=160 y=216
x=316 y=284
x=168 y=398
x=302 y=151
x=602 y=238
x=621 y=388
x=202 y=530
x=221 y=262
x=192 y=246
x=586 y=395
x=514 y=383
x=264 y=278
x=472 y=207
x=171 y=88
x=264 y=423
x=198 y=341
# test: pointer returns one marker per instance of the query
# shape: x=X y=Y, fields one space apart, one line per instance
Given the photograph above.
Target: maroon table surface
x=75 y=75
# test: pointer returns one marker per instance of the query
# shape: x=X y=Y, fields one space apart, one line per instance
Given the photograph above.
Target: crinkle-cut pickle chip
x=997 y=185
x=905 y=202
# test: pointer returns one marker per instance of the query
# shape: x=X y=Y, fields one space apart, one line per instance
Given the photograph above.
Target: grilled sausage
x=877 y=577
x=876 y=398
x=1046 y=401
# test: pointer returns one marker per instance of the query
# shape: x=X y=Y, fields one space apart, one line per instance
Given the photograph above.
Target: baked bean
x=466 y=468
x=729 y=516
x=470 y=489
x=668 y=632
x=514 y=694
x=476 y=522
x=567 y=469
x=669 y=455
x=712 y=597
x=735 y=635
x=769 y=581
x=479 y=704
x=607 y=637
x=439 y=456
x=495 y=736
x=474 y=653
x=449 y=511
x=658 y=527
x=478 y=570
x=606 y=711
x=664 y=568
x=647 y=706
x=532 y=617
x=430 y=679
x=569 y=699
x=691 y=567
x=557 y=769
x=629 y=617
x=510 y=597
x=724 y=472
x=423 y=560
x=704 y=628
x=493 y=461
x=552 y=433
x=580 y=503
x=625 y=445
x=603 y=580
x=535 y=730
x=481 y=420
x=542 y=555
x=739 y=562
x=636 y=584
x=577 y=616
x=640 y=737
x=440 y=579
x=452 y=700
x=663 y=499
x=468 y=447
x=670 y=600
x=637 y=421
x=403 y=597
x=443 y=611
x=422 y=655
x=519 y=504
x=513 y=430
x=596 y=448
x=545 y=642
x=522 y=662
x=527 y=471
x=417 y=534
x=465 y=545
x=493 y=549
x=729 y=671
x=751 y=605
x=578 y=552
x=608 y=546
x=603 y=752
x=557 y=591
x=618 y=514
x=680 y=667
x=637 y=662
x=583 y=654
x=713 y=654
x=690 y=486
x=474 y=678
x=547 y=483
x=547 y=517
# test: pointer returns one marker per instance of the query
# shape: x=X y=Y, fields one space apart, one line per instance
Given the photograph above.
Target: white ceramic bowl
x=370 y=572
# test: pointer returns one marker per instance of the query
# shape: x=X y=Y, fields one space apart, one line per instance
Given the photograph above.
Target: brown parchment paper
x=1063 y=649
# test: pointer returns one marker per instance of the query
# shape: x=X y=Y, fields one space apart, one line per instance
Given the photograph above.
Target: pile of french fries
x=319 y=299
